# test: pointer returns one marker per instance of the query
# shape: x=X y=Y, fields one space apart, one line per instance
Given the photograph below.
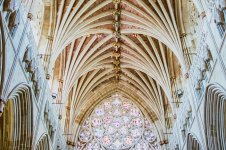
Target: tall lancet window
x=117 y=123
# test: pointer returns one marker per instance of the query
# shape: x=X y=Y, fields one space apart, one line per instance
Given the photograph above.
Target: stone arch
x=43 y=143
x=16 y=123
x=121 y=104
x=214 y=116
x=193 y=143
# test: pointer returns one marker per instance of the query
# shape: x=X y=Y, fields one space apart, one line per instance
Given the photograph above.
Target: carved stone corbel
x=31 y=66
x=30 y=16
x=27 y=57
x=8 y=5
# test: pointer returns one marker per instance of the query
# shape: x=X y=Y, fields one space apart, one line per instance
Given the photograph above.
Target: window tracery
x=116 y=123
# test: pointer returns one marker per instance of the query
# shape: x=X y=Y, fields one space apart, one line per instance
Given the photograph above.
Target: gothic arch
x=193 y=143
x=214 y=116
x=113 y=115
x=16 y=122
x=43 y=143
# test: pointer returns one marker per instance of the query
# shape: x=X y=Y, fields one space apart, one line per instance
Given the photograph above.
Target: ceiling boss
x=116 y=24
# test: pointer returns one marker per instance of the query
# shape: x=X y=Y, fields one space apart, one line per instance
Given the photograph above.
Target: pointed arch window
x=117 y=123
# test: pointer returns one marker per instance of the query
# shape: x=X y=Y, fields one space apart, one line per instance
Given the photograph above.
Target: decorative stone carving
x=116 y=124
x=116 y=44
x=116 y=13
x=117 y=69
x=116 y=24
x=203 y=14
x=193 y=18
x=219 y=11
x=116 y=55
x=48 y=76
x=117 y=34
x=28 y=55
x=117 y=62
x=221 y=4
x=116 y=1
x=117 y=76
x=14 y=21
x=30 y=16
x=38 y=87
x=219 y=16
x=32 y=66
x=8 y=5
x=186 y=75
x=35 y=75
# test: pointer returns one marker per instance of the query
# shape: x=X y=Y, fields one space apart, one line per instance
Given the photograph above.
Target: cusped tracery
x=116 y=124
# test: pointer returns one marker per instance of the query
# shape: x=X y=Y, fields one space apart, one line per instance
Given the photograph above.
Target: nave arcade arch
x=193 y=143
x=214 y=116
x=16 y=122
x=43 y=143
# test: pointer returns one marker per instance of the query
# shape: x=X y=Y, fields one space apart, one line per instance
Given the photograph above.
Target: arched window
x=117 y=123
x=215 y=118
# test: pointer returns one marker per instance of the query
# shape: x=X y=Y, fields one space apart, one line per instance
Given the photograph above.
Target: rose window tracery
x=116 y=124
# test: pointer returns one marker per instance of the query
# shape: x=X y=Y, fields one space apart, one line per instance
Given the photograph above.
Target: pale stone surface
x=172 y=67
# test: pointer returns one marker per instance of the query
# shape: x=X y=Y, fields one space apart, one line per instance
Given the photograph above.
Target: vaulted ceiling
x=104 y=46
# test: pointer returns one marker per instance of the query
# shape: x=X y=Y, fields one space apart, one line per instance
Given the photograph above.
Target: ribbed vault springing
x=89 y=44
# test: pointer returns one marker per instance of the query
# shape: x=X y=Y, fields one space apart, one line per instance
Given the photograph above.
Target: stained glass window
x=115 y=124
